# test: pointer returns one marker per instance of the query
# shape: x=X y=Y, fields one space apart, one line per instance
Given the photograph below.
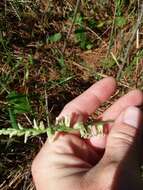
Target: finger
x=91 y=99
x=133 y=98
x=99 y=141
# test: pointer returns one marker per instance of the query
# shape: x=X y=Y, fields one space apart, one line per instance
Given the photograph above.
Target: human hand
x=104 y=162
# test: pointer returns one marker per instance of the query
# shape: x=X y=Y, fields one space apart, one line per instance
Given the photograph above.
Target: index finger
x=91 y=99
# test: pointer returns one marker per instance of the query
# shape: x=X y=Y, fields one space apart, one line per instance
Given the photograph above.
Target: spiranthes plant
x=19 y=104
x=62 y=126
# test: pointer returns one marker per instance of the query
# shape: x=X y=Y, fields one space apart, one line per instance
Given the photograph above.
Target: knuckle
x=124 y=134
x=123 y=137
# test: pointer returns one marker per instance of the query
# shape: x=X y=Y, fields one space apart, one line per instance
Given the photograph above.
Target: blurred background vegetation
x=50 y=52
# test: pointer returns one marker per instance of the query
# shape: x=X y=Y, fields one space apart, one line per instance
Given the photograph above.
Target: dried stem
x=71 y=27
x=131 y=42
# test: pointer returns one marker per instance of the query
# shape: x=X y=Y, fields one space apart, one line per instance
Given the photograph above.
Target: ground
x=50 y=52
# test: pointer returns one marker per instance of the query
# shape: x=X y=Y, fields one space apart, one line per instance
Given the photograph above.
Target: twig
x=98 y=37
x=28 y=119
x=46 y=108
x=105 y=31
x=137 y=40
x=112 y=32
x=4 y=87
x=15 y=11
x=137 y=44
x=137 y=37
x=5 y=7
x=71 y=27
x=131 y=42
x=115 y=59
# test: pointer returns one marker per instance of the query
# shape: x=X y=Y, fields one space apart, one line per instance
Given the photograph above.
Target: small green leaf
x=61 y=61
x=79 y=19
x=18 y=103
x=13 y=121
x=89 y=46
x=81 y=37
x=108 y=63
x=31 y=59
x=120 y=21
x=55 y=37
x=100 y=24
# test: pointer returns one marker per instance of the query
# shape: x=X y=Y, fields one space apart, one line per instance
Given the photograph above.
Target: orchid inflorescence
x=63 y=125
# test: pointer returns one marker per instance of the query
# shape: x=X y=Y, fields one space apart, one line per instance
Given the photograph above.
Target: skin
x=102 y=162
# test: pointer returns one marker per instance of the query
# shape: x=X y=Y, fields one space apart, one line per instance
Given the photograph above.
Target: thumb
x=125 y=136
x=119 y=167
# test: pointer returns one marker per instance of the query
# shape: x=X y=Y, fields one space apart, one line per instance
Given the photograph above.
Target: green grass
x=49 y=54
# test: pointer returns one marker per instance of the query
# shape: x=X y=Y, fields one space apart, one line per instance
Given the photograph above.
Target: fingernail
x=132 y=116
